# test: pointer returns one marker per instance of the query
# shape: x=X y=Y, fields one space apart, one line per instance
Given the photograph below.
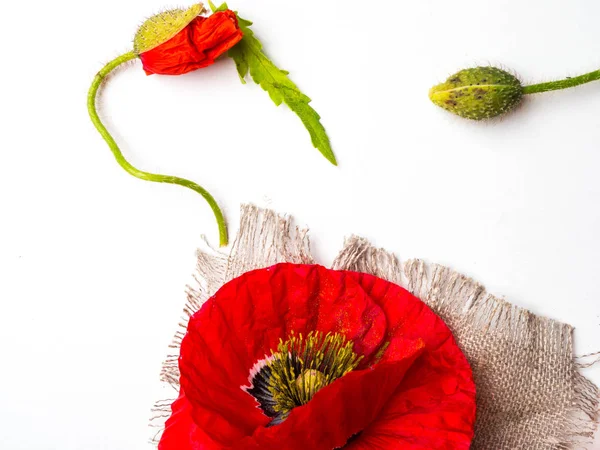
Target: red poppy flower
x=197 y=45
x=303 y=357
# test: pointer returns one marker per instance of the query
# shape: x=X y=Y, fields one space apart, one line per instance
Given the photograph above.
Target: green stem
x=562 y=84
x=91 y=104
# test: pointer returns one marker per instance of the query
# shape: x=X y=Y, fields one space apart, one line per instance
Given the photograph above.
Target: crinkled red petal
x=434 y=407
x=181 y=432
x=433 y=403
x=198 y=45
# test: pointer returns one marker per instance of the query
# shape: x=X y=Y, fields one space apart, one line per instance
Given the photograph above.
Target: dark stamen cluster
x=299 y=368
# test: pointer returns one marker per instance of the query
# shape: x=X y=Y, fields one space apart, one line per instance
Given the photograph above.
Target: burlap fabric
x=530 y=392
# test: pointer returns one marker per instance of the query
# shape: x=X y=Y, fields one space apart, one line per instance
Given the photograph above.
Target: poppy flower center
x=300 y=367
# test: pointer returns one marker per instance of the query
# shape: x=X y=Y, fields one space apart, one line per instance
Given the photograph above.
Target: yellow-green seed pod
x=479 y=93
x=163 y=26
x=309 y=382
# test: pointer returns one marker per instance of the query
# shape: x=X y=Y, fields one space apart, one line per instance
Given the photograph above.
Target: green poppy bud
x=479 y=93
x=163 y=26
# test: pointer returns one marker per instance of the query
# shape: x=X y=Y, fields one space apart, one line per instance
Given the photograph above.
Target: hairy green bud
x=479 y=93
x=161 y=27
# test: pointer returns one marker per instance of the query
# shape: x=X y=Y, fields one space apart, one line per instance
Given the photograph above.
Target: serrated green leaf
x=250 y=59
x=214 y=9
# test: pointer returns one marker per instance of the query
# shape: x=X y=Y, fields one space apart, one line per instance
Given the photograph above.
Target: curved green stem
x=91 y=104
x=562 y=84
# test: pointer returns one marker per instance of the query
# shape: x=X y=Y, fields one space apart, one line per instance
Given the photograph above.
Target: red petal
x=181 y=433
x=198 y=45
x=434 y=407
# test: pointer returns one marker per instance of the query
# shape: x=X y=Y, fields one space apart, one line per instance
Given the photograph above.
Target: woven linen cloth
x=530 y=392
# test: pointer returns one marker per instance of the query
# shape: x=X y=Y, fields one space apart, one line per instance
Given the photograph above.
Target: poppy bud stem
x=562 y=84
x=91 y=104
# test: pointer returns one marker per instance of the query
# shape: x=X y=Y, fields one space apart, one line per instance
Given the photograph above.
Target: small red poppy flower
x=303 y=357
x=180 y=41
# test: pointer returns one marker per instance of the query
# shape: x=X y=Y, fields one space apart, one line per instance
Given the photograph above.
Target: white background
x=94 y=262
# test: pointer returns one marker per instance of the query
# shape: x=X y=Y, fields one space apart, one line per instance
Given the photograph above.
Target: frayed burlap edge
x=530 y=392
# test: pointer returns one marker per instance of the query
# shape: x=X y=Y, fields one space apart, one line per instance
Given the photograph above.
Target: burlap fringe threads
x=530 y=392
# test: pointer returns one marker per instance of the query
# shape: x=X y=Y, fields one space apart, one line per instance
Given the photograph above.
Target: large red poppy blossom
x=403 y=382
x=197 y=45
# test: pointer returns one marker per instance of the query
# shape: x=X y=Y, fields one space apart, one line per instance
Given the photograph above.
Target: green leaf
x=250 y=59
x=214 y=9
